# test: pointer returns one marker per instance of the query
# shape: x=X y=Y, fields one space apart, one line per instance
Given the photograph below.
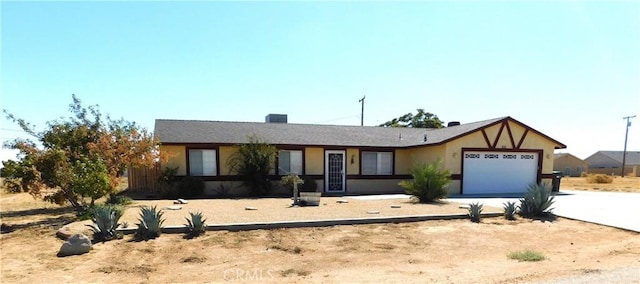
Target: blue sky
x=570 y=69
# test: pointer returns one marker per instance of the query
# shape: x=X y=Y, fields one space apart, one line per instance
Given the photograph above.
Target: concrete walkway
x=614 y=209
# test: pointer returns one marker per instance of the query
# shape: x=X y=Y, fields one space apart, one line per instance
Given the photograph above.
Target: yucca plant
x=475 y=210
x=105 y=221
x=510 y=209
x=150 y=223
x=537 y=201
x=196 y=225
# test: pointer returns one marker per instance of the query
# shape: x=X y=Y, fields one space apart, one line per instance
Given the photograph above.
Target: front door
x=334 y=173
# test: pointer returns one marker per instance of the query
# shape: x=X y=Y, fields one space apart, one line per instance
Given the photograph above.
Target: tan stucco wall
x=224 y=154
x=405 y=158
x=573 y=163
x=353 y=154
x=314 y=160
x=176 y=157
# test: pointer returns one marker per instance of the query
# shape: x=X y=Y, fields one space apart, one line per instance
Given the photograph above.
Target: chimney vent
x=275 y=118
x=453 y=123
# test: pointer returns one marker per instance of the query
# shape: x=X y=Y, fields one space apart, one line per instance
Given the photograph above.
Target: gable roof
x=219 y=132
x=561 y=155
x=633 y=157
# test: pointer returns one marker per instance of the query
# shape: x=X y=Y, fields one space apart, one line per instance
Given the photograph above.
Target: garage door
x=498 y=172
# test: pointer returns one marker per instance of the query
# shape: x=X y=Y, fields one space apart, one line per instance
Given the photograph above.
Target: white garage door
x=498 y=172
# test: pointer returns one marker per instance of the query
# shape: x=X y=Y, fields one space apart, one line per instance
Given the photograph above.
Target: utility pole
x=362 y=112
x=626 y=134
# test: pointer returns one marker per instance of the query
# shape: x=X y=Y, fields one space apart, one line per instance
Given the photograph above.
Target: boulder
x=75 y=245
x=64 y=233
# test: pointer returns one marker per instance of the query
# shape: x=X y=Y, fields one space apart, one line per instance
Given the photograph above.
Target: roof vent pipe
x=425 y=138
x=453 y=123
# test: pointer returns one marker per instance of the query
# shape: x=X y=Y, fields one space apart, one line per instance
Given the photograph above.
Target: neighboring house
x=569 y=165
x=499 y=155
x=610 y=162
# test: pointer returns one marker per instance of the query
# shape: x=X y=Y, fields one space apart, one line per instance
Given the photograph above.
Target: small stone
x=373 y=212
x=64 y=233
x=464 y=206
x=174 y=207
x=250 y=208
x=342 y=201
x=75 y=245
x=182 y=201
x=396 y=206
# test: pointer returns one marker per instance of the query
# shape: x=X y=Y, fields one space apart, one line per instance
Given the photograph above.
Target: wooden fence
x=144 y=179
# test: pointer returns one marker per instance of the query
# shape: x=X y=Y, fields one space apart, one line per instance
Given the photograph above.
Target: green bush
x=599 y=178
x=475 y=212
x=510 y=210
x=429 y=182
x=150 y=223
x=116 y=199
x=253 y=162
x=105 y=221
x=171 y=186
x=196 y=225
x=526 y=255
x=537 y=201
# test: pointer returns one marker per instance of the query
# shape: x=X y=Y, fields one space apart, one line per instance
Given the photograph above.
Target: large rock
x=75 y=245
x=64 y=233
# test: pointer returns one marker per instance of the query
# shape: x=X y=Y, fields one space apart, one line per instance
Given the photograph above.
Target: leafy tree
x=421 y=119
x=79 y=159
x=254 y=161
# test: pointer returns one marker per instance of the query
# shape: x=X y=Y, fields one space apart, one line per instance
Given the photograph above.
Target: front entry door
x=334 y=171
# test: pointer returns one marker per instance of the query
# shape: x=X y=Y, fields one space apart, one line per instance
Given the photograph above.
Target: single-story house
x=569 y=165
x=610 y=162
x=500 y=155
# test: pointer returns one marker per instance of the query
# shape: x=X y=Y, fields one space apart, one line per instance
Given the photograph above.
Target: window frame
x=302 y=161
x=378 y=162
x=216 y=163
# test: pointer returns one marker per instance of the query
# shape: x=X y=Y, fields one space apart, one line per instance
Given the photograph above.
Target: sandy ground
x=435 y=251
x=626 y=184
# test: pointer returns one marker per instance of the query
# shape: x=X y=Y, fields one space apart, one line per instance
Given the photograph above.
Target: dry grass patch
x=526 y=255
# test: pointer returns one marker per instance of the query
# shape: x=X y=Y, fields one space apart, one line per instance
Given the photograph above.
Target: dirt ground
x=455 y=251
x=434 y=251
x=626 y=184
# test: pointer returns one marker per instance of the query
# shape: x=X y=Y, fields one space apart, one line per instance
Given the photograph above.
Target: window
x=202 y=162
x=289 y=162
x=377 y=163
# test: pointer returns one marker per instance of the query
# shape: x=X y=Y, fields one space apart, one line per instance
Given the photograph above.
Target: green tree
x=429 y=181
x=421 y=119
x=76 y=160
x=254 y=162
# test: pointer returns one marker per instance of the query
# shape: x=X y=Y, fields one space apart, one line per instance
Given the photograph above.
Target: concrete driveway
x=615 y=209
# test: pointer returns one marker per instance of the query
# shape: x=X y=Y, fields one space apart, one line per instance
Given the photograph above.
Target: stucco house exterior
x=610 y=162
x=569 y=165
x=500 y=155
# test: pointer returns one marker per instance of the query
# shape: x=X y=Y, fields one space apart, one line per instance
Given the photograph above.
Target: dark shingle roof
x=219 y=132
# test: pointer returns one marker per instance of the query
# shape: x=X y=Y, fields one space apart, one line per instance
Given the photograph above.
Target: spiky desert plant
x=105 y=221
x=150 y=223
x=510 y=209
x=429 y=182
x=537 y=201
x=475 y=210
x=195 y=224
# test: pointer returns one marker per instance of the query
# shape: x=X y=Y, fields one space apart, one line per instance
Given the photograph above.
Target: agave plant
x=105 y=221
x=537 y=201
x=475 y=209
x=196 y=225
x=510 y=209
x=150 y=223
